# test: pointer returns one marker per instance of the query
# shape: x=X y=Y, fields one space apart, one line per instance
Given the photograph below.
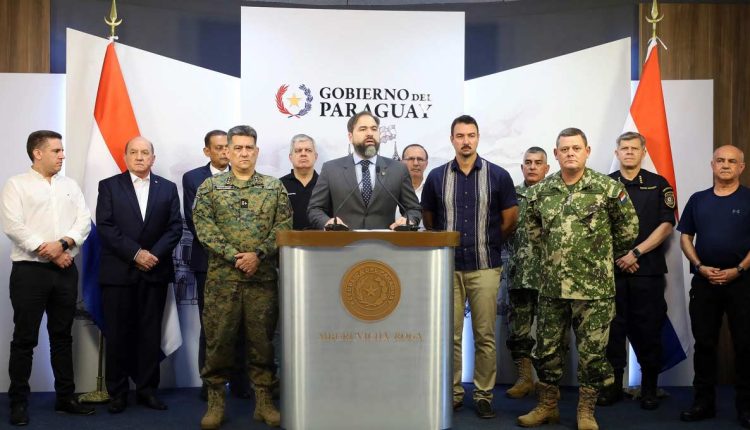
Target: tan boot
x=215 y=413
x=546 y=411
x=586 y=404
x=525 y=383
x=264 y=409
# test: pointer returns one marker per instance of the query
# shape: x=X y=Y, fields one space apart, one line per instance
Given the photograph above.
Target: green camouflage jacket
x=577 y=233
x=233 y=216
x=523 y=269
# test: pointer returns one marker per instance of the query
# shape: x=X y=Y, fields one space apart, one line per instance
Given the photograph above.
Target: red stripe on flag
x=650 y=117
x=113 y=111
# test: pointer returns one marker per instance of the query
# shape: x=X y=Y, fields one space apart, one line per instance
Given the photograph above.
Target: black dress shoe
x=609 y=395
x=649 y=399
x=484 y=409
x=118 y=404
x=698 y=412
x=744 y=418
x=151 y=401
x=71 y=406
x=19 y=414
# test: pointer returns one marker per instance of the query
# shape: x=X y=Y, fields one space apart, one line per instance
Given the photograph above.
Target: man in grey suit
x=360 y=191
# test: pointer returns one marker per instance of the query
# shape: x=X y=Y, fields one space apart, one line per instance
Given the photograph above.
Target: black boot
x=611 y=394
x=649 y=399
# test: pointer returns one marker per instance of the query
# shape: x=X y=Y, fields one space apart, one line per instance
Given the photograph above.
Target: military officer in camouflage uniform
x=578 y=222
x=237 y=215
x=524 y=285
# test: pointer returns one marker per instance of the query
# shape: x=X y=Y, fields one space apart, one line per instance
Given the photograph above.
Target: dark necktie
x=366 y=181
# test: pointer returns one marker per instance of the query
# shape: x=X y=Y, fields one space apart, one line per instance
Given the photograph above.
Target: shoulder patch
x=669 y=198
x=622 y=197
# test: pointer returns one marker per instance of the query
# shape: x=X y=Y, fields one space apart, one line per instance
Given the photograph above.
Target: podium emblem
x=370 y=290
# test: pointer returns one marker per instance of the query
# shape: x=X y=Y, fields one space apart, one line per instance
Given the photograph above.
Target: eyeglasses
x=415 y=159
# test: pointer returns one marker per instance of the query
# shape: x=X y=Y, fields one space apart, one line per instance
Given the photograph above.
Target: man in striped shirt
x=476 y=198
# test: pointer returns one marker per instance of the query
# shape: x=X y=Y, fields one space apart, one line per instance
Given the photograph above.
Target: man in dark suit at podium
x=138 y=220
x=362 y=190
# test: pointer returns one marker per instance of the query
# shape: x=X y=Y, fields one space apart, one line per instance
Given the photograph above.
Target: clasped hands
x=53 y=251
x=247 y=262
x=718 y=276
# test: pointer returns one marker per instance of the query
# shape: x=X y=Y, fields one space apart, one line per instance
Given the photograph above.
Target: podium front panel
x=349 y=361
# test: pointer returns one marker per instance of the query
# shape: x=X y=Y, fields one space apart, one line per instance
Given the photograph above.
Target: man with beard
x=380 y=182
x=476 y=198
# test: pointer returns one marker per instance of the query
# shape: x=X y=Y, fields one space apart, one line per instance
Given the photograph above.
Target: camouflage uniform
x=233 y=216
x=523 y=287
x=576 y=232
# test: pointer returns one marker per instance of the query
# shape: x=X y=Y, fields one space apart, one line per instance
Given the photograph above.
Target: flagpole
x=100 y=395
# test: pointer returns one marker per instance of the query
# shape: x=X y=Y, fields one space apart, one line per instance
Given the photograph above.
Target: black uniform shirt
x=299 y=196
x=654 y=203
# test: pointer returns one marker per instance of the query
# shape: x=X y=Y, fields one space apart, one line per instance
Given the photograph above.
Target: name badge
x=243 y=203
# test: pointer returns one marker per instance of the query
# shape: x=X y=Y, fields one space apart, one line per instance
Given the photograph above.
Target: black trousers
x=132 y=319
x=238 y=380
x=708 y=304
x=36 y=288
x=640 y=313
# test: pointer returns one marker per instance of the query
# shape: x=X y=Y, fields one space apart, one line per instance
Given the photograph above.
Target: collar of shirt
x=357 y=158
x=215 y=171
x=38 y=175
x=136 y=179
x=477 y=164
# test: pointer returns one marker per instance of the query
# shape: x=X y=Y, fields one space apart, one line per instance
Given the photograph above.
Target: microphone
x=335 y=226
x=411 y=225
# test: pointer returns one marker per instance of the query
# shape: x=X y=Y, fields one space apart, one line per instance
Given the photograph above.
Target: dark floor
x=186 y=410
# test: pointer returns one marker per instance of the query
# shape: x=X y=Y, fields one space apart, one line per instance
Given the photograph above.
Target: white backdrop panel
x=421 y=53
x=175 y=104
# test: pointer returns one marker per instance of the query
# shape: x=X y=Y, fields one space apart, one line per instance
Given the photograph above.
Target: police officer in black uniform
x=641 y=310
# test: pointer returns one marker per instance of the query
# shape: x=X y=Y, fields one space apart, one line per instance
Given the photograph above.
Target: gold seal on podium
x=370 y=290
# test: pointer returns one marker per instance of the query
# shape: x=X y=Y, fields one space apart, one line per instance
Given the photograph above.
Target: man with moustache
x=237 y=215
x=640 y=308
x=578 y=222
x=215 y=148
x=139 y=224
x=415 y=158
x=719 y=260
x=523 y=288
x=361 y=191
x=46 y=218
x=476 y=198
x=302 y=179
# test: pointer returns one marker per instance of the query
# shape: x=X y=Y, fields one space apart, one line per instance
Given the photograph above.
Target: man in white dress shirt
x=46 y=218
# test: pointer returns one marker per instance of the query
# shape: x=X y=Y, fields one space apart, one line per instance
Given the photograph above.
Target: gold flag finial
x=654 y=18
x=113 y=22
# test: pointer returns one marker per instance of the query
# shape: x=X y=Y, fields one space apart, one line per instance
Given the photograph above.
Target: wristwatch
x=740 y=269
x=64 y=244
x=636 y=252
x=698 y=267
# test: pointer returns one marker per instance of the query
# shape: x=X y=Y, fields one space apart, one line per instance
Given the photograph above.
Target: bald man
x=715 y=227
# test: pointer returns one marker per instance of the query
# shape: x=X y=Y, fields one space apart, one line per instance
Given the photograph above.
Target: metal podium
x=366 y=323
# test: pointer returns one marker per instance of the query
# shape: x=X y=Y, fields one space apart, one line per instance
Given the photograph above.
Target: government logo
x=370 y=290
x=295 y=102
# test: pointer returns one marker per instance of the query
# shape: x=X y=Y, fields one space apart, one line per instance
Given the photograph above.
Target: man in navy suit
x=138 y=221
x=215 y=148
x=382 y=183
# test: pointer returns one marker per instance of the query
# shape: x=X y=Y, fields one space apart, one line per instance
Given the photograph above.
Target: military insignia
x=669 y=199
x=370 y=290
x=243 y=203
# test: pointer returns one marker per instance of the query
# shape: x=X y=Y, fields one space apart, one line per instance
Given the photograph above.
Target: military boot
x=586 y=404
x=546 y=411
x=525 y=383
x=264 y=409
x=215 y=413
x=611 y=394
